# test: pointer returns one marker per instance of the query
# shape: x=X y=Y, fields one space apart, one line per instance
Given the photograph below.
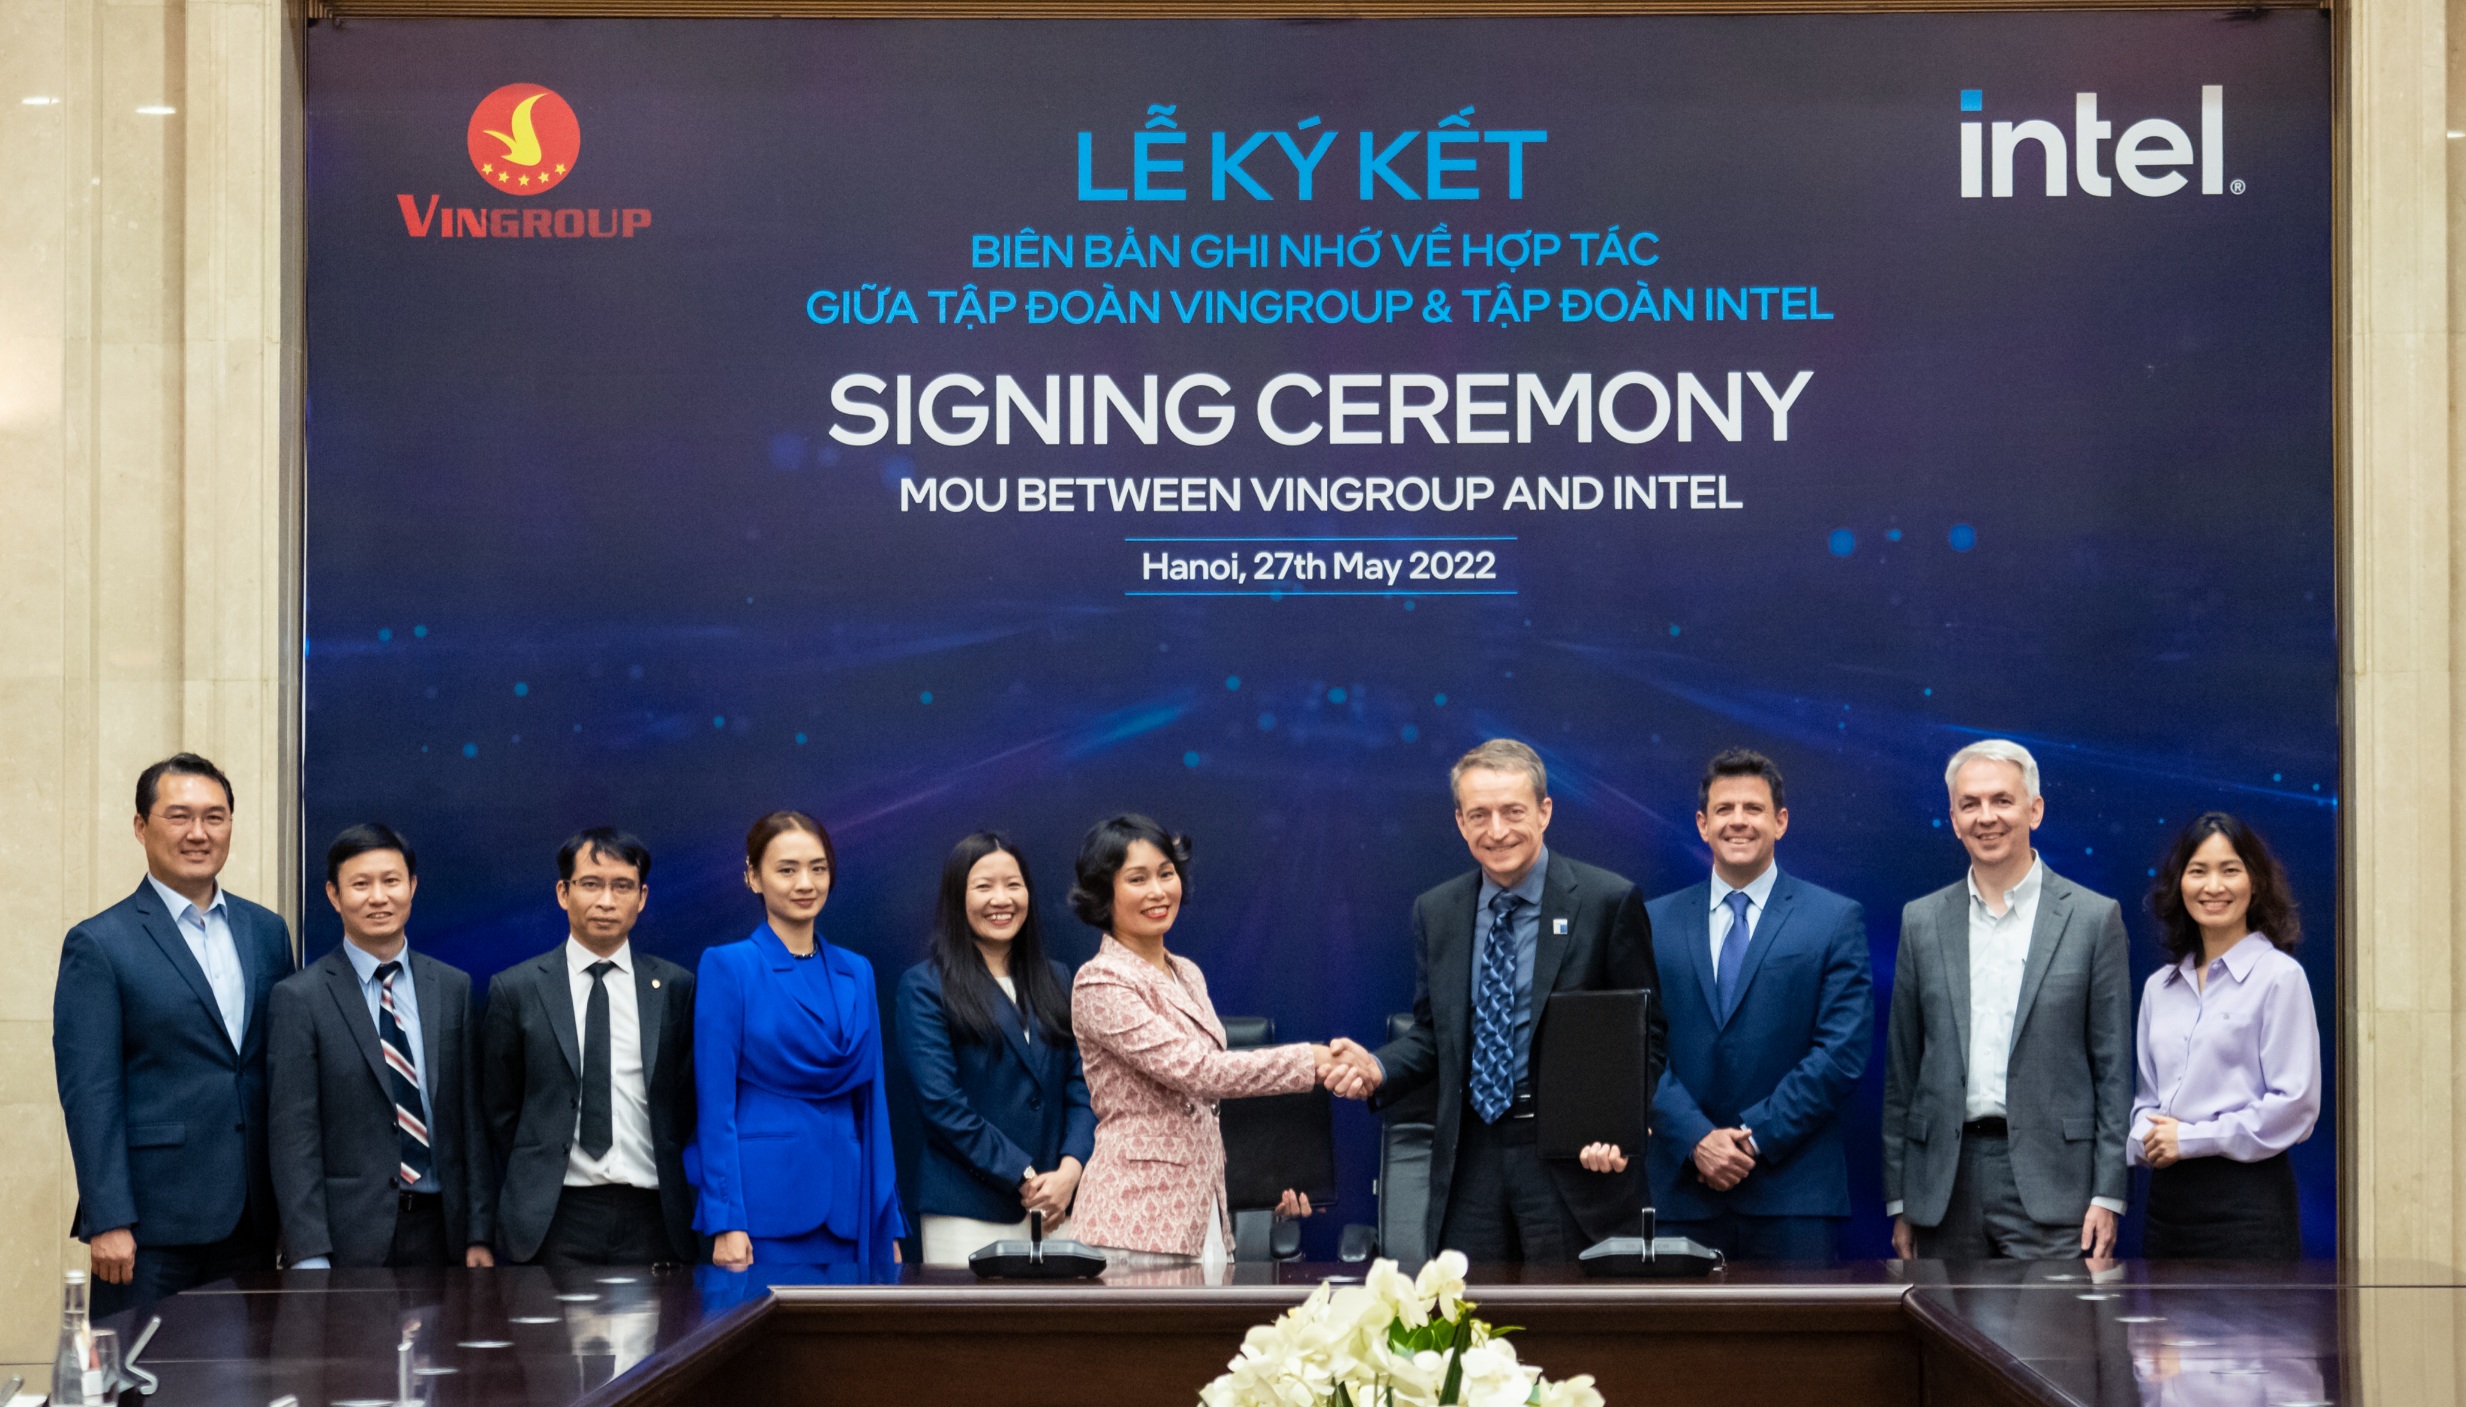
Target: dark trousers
x=1985 y=1218
x=2219 y=1209
x=1738 y=1236
x=1502 y=1207
x=606 y=1226
x=419 y=1232
x=164 y=1271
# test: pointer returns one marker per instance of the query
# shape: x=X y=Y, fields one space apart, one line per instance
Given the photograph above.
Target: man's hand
x=479 y=1258
x=113 y=1256
x=1292 y=1206
x=1722 y=1159
x=2162 y=1146
x=1603 y=1158
x=2098 y=1233
x=732 y=1250
x=1904 y=1239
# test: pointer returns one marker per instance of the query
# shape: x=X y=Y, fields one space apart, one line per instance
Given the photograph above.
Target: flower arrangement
x=1391 y=1341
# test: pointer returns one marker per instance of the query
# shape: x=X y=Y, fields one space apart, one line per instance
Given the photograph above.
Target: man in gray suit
x=379 y=1154
x=2008 y=1083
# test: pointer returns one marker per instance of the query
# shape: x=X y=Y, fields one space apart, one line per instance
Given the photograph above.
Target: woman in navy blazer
x=793 y=1154
x=984 y=1026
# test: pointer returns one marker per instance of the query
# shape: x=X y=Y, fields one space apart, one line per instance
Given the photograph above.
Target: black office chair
x=1404 y=1169
x=1257 y=1235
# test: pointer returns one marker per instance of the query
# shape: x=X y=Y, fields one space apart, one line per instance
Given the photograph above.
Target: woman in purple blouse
x=2229 y=1053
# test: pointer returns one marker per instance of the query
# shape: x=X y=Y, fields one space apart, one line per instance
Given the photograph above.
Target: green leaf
x=1451 y=1390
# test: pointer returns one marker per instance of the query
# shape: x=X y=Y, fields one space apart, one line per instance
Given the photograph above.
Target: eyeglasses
x=592 y=886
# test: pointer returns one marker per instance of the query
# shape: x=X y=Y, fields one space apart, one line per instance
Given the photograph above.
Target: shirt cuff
x=1892 y=1209
x=313 y=1263
x=2112 y=1204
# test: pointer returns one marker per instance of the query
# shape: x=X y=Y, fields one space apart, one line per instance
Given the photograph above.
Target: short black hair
x=602 y=843
x=1739 y=762
x=1102 y=855
x=179 y=764
x=363 y=838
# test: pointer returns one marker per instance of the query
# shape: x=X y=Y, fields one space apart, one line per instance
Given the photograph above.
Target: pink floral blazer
x=1156 y=1065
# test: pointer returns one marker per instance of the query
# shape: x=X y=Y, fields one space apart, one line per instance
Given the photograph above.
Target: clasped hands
x=1346 y=1069
x=1050 y=1192
x=1723 y=1159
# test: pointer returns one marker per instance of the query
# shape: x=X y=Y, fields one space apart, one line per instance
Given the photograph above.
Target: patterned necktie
x=598 y=1095
x=1494 y=1015
x=406 y=1081
x=1733 y=952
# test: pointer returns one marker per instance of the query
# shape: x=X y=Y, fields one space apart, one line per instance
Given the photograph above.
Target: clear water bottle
x=71 y=1367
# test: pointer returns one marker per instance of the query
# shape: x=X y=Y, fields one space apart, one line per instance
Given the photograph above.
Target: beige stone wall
x=148 y=398
x=149 y=373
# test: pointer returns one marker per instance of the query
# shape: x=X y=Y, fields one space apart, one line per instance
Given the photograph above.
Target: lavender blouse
x=2237 y=1062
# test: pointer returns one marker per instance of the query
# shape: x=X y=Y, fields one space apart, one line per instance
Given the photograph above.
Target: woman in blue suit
x=793 y=1154
x=984 y=1025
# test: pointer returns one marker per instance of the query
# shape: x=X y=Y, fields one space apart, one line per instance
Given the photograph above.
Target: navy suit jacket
x=993 y=1110
x=166 y=1117
x=1782 y=1064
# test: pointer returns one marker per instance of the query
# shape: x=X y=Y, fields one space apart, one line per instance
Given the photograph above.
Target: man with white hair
x=2008 y=1082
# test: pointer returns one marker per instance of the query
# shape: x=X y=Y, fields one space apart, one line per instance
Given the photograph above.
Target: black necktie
x=598 y=1096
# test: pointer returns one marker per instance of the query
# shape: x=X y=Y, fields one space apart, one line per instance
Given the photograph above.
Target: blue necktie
x=1733 y=952
x=1494 y=1016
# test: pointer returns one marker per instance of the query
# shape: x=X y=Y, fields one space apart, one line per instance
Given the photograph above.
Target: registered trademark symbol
x=2235 y=186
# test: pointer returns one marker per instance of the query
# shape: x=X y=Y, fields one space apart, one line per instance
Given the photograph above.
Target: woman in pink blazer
x=1155 y=1058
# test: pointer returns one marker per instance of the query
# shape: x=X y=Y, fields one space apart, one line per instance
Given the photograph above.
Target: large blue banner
x=940 y=425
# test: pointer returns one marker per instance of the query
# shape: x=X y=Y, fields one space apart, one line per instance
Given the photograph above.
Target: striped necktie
x=406 y=1080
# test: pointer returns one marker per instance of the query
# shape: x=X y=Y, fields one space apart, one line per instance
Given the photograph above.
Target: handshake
x=1348 y=1071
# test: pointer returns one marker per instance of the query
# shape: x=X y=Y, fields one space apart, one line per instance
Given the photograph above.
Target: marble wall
x=149 y=404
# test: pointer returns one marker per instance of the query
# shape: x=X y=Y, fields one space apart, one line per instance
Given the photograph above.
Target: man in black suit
x=588 y=1079
x=380 y=1158
x=158 y=1043
x=1489 y=948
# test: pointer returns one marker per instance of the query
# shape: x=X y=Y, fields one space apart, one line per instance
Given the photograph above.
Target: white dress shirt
x=1757 y=890
x=208 y=935
x=629 y=1162
x=1998 y=955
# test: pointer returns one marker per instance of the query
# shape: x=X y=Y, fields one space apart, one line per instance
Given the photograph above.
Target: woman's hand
x=732 y=1250
x=1602 y=1158
x=1051 y=1192
x=2161 y=1147
x=1293 y=1206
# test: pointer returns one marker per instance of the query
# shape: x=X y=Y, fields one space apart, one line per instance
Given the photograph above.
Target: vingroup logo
x=2146 y=157
x=524 y=139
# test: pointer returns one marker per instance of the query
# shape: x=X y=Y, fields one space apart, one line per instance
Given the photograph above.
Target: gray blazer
x=2068 y=1087
x=334 y=1142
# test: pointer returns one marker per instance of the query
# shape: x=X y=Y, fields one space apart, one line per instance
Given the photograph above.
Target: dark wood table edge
x=1941 y=1330
x=674 y=1371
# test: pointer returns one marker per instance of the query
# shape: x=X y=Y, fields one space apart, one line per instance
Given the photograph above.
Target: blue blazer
x=1782 y=1064
x=793 y=1127
x=992 y=1110
x=166 y=1117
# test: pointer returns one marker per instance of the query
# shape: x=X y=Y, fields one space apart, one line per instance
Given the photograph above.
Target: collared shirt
x=1758 y=890
x=208 y=935
x=1524 y=928
x=1998 y=955
x=364 y=965
x=628 y=1162
x=2234 y=1059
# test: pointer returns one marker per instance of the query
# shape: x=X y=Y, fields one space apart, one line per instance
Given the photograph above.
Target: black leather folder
x=1589 y=1084
x=1276 y=1141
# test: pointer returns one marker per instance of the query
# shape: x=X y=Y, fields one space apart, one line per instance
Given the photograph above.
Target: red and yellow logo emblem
x=523 y=139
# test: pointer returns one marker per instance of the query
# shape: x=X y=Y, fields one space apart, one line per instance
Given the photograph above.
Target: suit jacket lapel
x=343 y=985
x=556 y=993
x=1952 y=942
x=252 y=973
x=1451 y=972
x=429 y=986
x=1558 y=905
x=165 y=932
x=1762 y=936
x=650 y=1008
x=2045 y=935
x=1696 y=936
x=1008 y=1015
